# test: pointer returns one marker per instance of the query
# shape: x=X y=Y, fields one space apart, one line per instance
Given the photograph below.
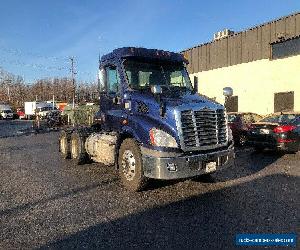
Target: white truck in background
x=40 y=108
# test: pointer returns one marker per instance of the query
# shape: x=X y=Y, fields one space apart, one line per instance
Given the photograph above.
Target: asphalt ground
x=47 y=202
x=10 y=128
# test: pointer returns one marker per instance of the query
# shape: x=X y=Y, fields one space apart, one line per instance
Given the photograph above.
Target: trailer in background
x=40 y=108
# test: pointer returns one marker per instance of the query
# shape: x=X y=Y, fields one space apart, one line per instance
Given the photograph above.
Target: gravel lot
x=47 y=202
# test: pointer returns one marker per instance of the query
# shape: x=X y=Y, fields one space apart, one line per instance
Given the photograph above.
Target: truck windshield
x=142 y=75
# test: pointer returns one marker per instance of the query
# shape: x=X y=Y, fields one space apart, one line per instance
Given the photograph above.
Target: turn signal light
x=284 y=128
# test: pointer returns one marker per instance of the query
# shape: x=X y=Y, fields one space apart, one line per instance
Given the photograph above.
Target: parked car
x=240 y=123
x=21 y=113
x=280 y=131
x=43 y=111
x=6 y=114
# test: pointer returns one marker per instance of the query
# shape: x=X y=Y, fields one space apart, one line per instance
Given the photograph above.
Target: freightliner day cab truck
x=152 y=122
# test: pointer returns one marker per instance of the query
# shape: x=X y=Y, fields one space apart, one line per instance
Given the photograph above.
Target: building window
x=284 y=101
x=286 y=48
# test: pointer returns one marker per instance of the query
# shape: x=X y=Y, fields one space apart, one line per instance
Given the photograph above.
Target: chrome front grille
x=202 y=129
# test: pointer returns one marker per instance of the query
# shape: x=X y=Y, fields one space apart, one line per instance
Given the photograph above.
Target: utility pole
x=53 y=96
x=8 y=93
x=8 y=82
x=73 y=79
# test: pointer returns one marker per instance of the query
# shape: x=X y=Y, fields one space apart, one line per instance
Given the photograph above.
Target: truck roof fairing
x=133 y=52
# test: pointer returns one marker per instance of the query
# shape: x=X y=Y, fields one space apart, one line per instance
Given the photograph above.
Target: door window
x=113 y=80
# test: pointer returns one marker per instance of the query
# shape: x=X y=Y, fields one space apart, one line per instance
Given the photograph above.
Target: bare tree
x=14 y=90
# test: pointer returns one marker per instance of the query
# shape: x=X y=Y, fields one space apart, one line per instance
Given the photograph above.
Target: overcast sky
x=38 y=37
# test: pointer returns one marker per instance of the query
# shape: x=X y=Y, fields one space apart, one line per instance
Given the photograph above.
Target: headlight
x=162 y=139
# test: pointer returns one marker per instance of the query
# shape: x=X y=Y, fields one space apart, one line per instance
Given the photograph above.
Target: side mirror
x=227 y=91
x=101 y=80
x=195 y=84
x=156 y=89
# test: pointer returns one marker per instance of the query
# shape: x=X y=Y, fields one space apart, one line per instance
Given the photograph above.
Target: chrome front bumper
x=161 y=165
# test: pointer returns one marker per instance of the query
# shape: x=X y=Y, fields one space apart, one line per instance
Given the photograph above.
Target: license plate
x=210 y=167
x=265 y=131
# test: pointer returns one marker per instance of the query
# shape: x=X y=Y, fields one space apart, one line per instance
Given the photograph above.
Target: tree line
x=15 y=91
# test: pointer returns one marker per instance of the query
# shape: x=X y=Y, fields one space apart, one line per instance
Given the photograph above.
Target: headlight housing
x=161 y=138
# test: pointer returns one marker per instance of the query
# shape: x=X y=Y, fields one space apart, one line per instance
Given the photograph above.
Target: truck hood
x=188 y=101
x=147 y=105
x=185 y=101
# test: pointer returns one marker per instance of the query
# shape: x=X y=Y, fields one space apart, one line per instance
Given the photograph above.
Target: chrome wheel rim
x=128 y=165
x=74 y=149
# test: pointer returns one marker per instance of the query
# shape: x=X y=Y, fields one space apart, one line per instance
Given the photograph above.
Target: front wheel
x=131 y=166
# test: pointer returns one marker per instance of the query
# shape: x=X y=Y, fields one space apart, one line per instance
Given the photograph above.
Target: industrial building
x=260 y=64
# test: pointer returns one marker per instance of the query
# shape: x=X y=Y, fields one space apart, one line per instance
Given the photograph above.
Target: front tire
x=131 y=166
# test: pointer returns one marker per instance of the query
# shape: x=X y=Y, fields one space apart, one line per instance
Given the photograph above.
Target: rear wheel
x=64 y=144
x=78 y=152
x=130 y=166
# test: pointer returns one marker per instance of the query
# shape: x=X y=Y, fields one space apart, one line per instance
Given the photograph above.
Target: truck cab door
x=110 y=98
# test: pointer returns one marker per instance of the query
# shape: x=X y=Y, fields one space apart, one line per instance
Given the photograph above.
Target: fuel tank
x=101 y=147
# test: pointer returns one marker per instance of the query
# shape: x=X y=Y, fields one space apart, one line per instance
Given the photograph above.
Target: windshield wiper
x=180 y=88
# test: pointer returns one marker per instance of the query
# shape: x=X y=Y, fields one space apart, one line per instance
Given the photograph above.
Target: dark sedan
x=240 y=123
x=280 y=131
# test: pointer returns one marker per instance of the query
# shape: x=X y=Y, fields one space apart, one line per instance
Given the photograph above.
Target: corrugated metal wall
x=250 y=45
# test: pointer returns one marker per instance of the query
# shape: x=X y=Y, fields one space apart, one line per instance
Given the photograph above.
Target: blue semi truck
x=152 y=123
